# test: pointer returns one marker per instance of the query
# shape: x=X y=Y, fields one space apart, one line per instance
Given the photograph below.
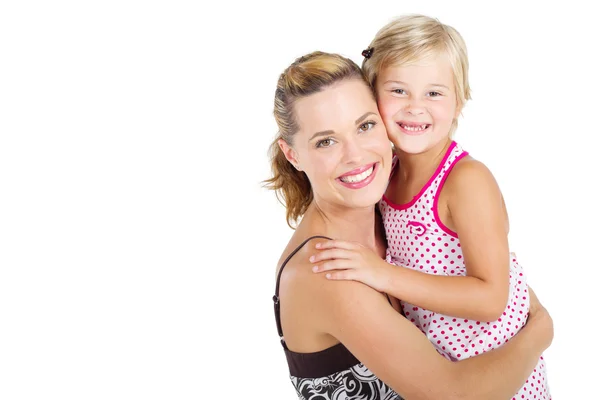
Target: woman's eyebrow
x=330 y=132
x=322 y=133
x=362 y=117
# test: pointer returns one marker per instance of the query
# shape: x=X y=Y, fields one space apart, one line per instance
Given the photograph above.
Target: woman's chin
x=367 y=199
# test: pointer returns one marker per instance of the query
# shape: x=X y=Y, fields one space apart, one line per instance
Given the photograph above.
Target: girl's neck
x=422 y=165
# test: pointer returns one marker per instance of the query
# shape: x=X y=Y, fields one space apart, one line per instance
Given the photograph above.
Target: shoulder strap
x=276 y=297
x=453 y=155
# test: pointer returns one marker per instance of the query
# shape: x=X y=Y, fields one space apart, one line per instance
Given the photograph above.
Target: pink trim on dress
x=424 y=188
x=437 y=196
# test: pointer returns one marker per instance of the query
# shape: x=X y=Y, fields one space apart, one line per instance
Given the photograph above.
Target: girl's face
x=418 y=103
x=341 y=145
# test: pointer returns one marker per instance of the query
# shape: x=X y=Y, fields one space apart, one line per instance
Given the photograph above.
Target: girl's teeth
x=357 y=178
x=414 y=128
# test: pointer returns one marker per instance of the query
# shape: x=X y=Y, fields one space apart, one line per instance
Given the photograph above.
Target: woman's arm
x=399 y=354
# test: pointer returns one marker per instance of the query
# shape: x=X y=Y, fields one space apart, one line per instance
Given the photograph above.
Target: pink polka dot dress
x=417 y=239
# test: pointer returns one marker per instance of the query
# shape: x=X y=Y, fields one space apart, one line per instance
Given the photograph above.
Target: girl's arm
x=399 y=354
x=477 y=214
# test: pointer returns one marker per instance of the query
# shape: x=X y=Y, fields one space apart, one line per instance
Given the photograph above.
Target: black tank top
x=332 y=373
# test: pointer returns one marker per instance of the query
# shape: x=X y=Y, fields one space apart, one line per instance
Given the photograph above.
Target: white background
x=137 y=247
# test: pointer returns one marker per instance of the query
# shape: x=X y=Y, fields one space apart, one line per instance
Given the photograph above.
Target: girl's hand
x=343 y=260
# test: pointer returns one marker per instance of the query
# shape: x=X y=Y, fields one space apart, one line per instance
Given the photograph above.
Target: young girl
x=444 y=215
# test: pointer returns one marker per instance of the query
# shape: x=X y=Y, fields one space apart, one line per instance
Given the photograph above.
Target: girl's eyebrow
x=404 y=83
x=399 y=82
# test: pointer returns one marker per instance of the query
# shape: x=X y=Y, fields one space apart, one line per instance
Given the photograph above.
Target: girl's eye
x=434 y=94
x=367 y=126
x=325 y=143
x=399 y=91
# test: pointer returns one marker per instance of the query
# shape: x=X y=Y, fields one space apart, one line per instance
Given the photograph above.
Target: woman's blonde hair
x=309 y=74
x=411 y=38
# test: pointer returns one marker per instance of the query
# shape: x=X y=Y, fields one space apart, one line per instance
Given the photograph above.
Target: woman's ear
x=289 y=153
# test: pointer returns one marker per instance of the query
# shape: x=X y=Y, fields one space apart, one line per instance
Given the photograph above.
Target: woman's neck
x=350 y=224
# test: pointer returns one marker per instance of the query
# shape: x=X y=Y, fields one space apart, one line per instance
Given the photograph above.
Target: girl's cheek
x=383 y=111
x=386 y=108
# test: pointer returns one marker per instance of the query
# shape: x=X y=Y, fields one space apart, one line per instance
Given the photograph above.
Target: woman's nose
x=352 y=151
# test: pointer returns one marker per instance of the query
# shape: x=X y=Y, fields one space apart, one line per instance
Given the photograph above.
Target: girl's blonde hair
x=411 y=38
x=309 y=74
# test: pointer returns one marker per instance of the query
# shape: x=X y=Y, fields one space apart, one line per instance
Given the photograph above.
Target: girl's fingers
x=339 y=244
x=331 y=254
x=331 y=265
x=344 y=275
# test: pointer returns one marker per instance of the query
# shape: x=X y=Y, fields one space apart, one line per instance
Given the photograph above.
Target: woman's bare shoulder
x=297 y=253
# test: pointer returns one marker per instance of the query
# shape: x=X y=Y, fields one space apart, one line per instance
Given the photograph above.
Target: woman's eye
x=324 y=143
x=366 y=126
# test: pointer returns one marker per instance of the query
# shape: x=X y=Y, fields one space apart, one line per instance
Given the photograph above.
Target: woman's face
x=342 y=146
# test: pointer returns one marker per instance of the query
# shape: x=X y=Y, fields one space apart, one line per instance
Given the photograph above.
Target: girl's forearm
x=460 y=296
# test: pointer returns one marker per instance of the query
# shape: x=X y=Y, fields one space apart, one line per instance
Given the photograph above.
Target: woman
x=342 y=339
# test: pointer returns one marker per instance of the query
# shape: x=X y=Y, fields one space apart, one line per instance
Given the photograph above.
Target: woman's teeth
x=357 y=178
